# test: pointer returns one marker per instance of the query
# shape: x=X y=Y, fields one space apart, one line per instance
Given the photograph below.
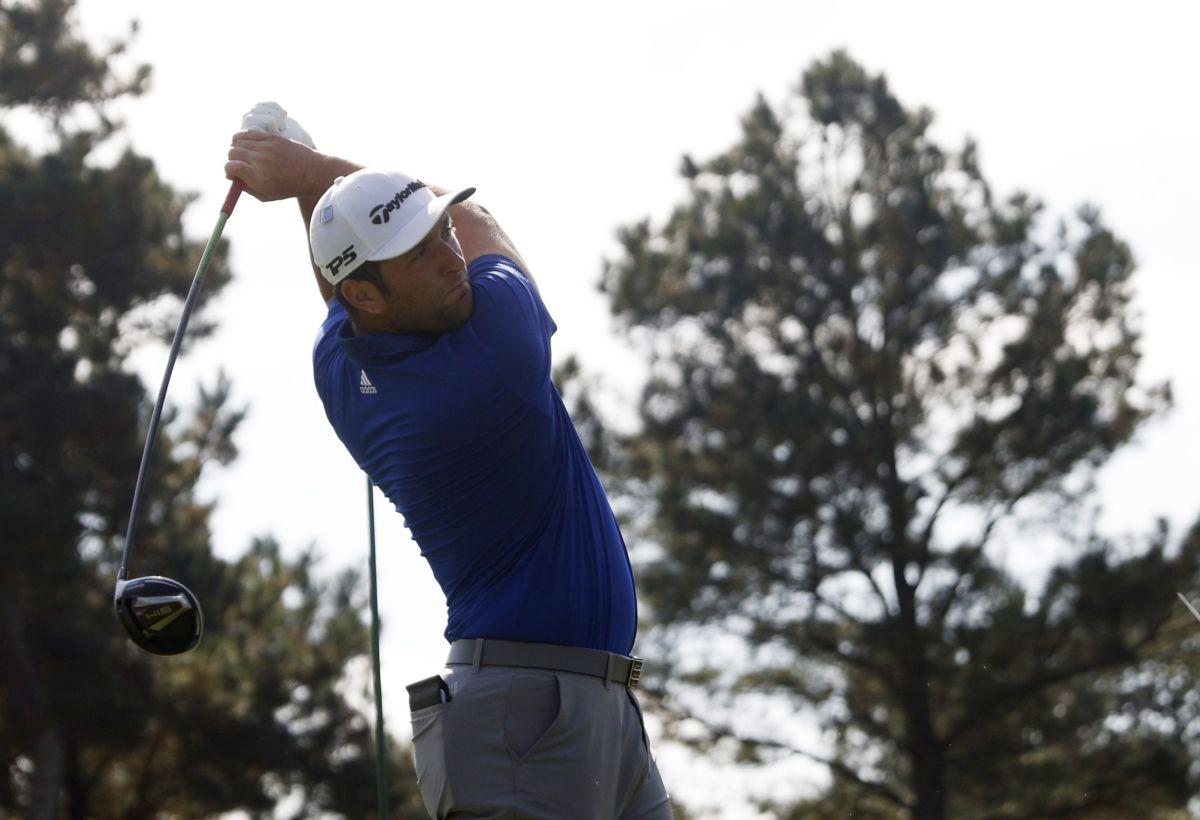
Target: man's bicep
x=513 y=326
x=480 y=234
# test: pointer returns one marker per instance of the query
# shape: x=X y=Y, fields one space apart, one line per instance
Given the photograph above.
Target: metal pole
x=380 y=737
x=1188 y=604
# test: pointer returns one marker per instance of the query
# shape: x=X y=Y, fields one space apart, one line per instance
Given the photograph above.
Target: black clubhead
x=161 y=616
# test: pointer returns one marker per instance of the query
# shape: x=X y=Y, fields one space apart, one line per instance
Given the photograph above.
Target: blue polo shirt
x=467 y=436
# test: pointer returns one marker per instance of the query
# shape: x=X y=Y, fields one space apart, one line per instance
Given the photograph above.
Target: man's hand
x=271 y=118
x=273 y=167
x=275 y=158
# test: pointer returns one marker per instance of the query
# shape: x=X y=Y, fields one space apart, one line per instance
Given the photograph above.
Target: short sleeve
x=512 y=325
x=326 y=353
x=326 y=342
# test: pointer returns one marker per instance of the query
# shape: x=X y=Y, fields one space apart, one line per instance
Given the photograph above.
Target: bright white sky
x=571 y=121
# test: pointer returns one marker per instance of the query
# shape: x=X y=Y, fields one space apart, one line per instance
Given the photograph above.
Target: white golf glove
x=270 y=118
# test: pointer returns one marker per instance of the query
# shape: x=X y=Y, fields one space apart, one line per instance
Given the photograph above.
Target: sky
x=571 y=121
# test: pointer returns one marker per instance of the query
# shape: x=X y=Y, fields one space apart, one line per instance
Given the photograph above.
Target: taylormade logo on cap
x=382 y=213
x=372 y=215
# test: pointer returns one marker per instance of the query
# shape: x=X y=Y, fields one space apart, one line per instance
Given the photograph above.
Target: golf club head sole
x=159 y=614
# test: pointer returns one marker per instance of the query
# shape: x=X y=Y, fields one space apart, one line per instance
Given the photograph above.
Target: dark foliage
x=867 y=366
x=91 y=258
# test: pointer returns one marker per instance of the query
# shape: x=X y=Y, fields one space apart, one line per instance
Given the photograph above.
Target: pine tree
x=94 y=263
x=866 y=366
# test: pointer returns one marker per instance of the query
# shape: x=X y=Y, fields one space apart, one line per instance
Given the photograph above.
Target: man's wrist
x=320 y=173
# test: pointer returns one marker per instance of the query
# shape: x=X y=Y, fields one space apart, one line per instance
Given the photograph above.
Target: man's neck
x=364 y=324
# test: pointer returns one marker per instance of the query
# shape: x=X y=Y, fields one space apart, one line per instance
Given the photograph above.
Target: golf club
x=380 y=737
x=161 y=615
x=1188 y=604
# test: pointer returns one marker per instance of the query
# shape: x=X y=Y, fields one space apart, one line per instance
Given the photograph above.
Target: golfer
x=433 y=364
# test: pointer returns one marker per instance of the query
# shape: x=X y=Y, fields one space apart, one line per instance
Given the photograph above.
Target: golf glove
x=270 y=118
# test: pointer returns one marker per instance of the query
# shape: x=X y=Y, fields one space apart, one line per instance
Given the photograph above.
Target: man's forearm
x=319 y=177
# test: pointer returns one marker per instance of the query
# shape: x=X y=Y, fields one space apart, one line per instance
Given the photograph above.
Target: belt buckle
x=635 y=672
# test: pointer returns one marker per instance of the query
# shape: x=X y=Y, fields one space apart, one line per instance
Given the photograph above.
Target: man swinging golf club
x=433 y=365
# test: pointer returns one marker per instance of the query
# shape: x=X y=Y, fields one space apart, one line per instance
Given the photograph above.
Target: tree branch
x=881 y=789
x=858 y=661
x=857 y=562
x=927 y=535
x=1019 y=693
x=1024 y=492
x=836 y=607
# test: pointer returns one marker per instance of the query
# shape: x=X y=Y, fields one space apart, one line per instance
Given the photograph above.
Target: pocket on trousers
x=637 y=705
x=532 y=712
x=429 y=755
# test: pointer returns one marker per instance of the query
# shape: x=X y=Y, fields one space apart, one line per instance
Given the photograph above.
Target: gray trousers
x=532 y=743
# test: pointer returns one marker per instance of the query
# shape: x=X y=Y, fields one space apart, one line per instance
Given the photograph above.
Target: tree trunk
x=929 y=763
x=47 y=775
x=77 y=784
x=33 y=710
x=925 y=748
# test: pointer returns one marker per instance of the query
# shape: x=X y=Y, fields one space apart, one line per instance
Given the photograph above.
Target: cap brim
x=419 y=226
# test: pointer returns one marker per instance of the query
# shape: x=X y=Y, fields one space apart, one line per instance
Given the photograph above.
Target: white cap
x=372 y=215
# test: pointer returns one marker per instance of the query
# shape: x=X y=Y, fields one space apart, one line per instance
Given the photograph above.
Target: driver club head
x=161 y=616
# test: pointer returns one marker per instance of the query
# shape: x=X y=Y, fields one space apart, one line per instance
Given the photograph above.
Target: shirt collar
x=380 y=348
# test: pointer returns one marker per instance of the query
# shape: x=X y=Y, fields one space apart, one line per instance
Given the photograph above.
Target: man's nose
x=450 y=255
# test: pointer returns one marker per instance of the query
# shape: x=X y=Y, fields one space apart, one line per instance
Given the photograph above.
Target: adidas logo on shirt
x=365 y=387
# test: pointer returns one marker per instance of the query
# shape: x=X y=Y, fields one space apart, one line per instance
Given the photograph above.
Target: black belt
x=607 y=666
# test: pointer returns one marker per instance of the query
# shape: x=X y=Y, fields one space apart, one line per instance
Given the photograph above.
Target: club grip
x=235 y=190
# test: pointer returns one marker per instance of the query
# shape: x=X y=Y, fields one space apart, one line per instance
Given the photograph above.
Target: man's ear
x=365 y=297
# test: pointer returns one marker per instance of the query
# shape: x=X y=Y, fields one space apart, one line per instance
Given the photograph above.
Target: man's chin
x=462 y=311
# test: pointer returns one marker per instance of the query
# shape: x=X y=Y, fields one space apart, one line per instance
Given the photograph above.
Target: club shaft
x=380 y=737
x=1188 y=604
x=152 y=433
